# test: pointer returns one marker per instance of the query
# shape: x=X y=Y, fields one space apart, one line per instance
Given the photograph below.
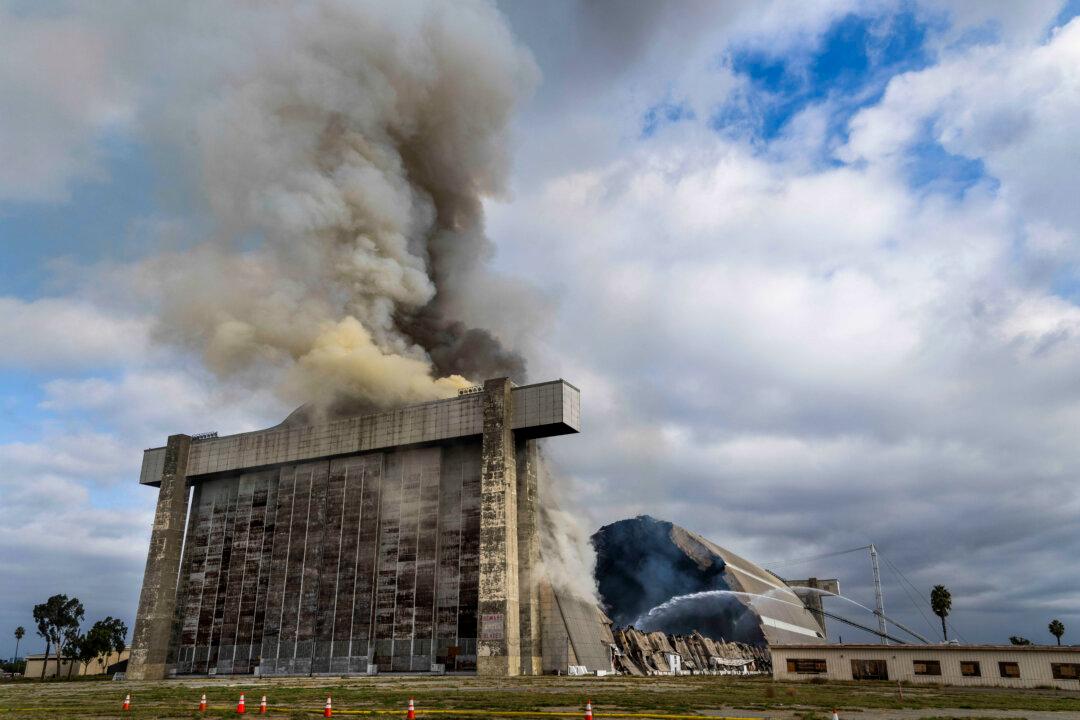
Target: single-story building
x=70 y=667
x=1022 y=666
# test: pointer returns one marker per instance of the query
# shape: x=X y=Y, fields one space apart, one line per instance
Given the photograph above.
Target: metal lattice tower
x=879 y=600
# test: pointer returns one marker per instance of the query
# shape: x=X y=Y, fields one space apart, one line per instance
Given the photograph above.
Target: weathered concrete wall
x=574 y=632
x=303 y=556
x=499 y=645
x=325 y=566
x=529 y=555
x=540 y=410
x=157 y=601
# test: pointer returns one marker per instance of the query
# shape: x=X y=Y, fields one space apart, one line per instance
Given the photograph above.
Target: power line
x=865 y=628
x=901 y=578
x=781 y=563
x=906 y=629
x=905 y=579
x=912 y=600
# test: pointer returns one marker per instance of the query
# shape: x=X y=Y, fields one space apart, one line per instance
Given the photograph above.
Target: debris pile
x=655 y=653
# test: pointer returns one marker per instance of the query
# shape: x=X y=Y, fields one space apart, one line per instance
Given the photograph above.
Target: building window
x=970 y=668
x=803 y=666
x=869 y=670
x=1009 y=669
x=1065 y=671
x=927 y=667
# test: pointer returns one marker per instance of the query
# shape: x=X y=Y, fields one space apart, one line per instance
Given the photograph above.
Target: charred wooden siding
x=325 y=566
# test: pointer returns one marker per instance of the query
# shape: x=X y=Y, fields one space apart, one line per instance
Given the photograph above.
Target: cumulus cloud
x=63 y=333
x=72 y=518
x=786 y=353
x=821 y=357
x=145 y=405
x=55 y=523
x=1011 y=107
x=61 y=98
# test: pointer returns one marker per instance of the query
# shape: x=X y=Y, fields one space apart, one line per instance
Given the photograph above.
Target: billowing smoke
x=567 y=558
x=344 y=151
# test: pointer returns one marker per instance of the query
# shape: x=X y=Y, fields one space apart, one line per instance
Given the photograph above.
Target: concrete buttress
x=157 y=601
x=528 y=468
x=499 y=641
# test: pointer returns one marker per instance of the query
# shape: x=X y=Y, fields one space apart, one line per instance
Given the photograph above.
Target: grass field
x=543 y=697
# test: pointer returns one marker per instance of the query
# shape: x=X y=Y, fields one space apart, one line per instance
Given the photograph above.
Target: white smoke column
x=567 y=558
x=344 y=149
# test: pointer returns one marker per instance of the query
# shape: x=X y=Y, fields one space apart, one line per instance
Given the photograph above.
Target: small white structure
x=1019 y=666
x=674 y=662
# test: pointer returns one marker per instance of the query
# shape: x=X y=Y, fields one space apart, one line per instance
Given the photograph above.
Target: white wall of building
x=916 y=664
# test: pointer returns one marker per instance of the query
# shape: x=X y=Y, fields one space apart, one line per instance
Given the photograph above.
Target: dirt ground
x=544 y=698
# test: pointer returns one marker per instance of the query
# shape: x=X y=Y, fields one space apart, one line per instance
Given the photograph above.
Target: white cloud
x=1013 y=107
x=64 y=333
x=794 y=359
x=65 y=531
x=1014 y=22
x=73 y=518
x=86 y=455
x=785 y=357
x=60 y=97
x=147 y=405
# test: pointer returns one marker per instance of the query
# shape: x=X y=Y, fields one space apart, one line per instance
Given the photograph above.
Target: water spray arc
x=879 y=596
x=905 y=628
x=649 y=619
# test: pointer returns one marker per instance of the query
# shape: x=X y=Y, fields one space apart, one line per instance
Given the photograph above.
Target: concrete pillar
x=157 y=602
x=528 y=503
x=499 y=643
x=813 y=603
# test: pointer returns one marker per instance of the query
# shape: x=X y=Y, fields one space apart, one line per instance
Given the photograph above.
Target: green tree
x=1017 y=640
x=70 y=648
x=20 y=632
x=941 y=603
x=1057 y=629
x=104 y=638
x=86 y=647
x=58 y=620
x=115 y=633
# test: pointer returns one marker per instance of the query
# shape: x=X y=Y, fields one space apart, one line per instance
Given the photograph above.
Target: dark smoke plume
x=345 y=149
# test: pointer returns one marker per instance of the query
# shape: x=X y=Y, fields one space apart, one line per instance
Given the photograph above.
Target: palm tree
x=941 y=603
x=1057 y=629
x=19 y=633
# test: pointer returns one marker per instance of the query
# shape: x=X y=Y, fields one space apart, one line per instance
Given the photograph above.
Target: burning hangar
x=405 y=540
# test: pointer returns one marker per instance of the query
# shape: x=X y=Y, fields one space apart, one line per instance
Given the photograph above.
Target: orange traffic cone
x=240 y=708
x=588 y=710
x=412 y=711
x=262 y=706
x=127 y=702
x=202 y=703
x=327 y=711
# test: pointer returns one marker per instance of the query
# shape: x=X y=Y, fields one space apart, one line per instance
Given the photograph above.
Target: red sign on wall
x=491 y=626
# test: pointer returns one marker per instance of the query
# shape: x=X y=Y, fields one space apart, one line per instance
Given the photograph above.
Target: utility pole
x=879 y=601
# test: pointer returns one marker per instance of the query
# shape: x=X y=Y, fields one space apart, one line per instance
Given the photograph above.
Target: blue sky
x=849 y=65
x=820 y=262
